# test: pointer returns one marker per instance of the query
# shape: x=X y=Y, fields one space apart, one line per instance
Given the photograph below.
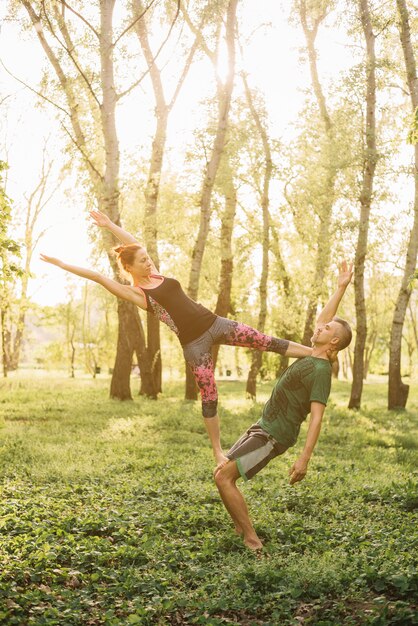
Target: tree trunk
x=256 y=360
x=365 y=202
x=325 y=210
x=223 y=303
x=152 y=192
x=397 y=390
x=4 y=342
x=103 y=179
x=224 y=102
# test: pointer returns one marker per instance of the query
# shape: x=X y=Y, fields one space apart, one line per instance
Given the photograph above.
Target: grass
x=108 y=513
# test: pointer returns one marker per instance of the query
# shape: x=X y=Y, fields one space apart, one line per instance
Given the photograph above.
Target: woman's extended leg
x=238 y=334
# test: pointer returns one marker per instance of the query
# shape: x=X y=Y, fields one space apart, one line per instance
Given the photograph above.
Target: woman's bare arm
x=103 y=221
x=125 y=292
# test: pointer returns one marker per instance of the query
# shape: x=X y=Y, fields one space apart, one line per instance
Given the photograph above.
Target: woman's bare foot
x=221 y=461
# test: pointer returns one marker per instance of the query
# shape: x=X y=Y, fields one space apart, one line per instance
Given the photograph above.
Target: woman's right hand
x=51 y=259
x=100 y=219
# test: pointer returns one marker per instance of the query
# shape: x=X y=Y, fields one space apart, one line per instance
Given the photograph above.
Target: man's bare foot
x=253 y=544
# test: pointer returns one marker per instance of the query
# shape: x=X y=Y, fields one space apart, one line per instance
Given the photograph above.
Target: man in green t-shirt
x=303 y=388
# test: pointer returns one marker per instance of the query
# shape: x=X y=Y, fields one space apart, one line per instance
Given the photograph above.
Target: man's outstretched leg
x=235 y=504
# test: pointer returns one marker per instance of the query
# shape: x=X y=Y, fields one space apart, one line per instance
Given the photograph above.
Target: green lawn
x=109 y=514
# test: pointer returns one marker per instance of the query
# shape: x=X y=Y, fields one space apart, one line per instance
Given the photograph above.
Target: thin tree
x=256 y=358
x=397 y=389
x=223 y=303
x=163 y=107
x=35 y=203
x=90 y=107
x=370 y=159
x=311 y=19
x=224 y=94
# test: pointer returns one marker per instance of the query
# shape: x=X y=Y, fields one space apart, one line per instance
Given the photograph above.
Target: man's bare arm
x=299 y=469
x=331 y=307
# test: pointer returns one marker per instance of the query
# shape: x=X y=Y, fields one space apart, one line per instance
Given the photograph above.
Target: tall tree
x=223 y=302
x=90 y=106
x=370 y=159
x=311 y=18
x=9 y=268
x=224 y=94
x=34 y=203
x=256 y=358
x=398 y=390
x=163 y=107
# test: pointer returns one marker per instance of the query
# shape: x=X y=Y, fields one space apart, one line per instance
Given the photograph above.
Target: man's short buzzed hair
x=345 y=335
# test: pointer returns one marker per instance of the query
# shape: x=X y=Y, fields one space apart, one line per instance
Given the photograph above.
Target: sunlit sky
x=271 y=59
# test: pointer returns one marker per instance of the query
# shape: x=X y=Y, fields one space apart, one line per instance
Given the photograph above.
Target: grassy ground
x=108 y=513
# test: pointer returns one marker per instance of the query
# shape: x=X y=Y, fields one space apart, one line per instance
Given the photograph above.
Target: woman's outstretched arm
x=102 y=220
x=125 y=292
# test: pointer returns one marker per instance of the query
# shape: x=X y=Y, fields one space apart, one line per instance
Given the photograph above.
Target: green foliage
x=413 y=132
x=9 y=248
x=109 y=514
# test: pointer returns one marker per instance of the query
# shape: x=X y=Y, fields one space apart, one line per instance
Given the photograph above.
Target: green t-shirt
x=306 y=380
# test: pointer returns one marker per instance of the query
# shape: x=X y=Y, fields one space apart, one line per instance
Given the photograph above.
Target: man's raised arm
x=331 y=307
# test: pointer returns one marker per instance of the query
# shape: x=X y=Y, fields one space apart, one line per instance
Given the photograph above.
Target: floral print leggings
x=223 y=331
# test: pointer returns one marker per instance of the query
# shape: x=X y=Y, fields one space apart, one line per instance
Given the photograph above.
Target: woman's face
x=141 y=265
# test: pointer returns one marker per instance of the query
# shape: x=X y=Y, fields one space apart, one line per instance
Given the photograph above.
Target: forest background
x=250 y=146
x=250 y=149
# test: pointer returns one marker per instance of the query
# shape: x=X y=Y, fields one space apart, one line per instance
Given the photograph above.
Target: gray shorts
x=254 y=450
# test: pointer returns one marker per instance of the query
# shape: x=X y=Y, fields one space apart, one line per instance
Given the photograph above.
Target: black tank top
x=171 y=305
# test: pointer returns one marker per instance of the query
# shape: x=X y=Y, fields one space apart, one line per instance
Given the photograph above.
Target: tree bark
x=325 y=209
x=256 y=359
x=223 y=303
x=224 y=102
x=397 y=389
x=370 y=159
x=103 y=179
x=4 y=353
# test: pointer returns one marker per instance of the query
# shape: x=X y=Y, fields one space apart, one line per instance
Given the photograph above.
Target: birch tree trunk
x=81 y=101
x=35 y=204
x=152 y=189
x=325 y=209
x=370 y=159
x=224 y=102
x=223 y=303
x=256 y=358
x=398 y=390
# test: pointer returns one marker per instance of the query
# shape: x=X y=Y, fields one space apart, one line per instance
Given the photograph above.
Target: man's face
x=324 y=333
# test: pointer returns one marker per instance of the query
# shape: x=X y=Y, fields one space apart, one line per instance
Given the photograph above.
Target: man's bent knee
x=226 y=474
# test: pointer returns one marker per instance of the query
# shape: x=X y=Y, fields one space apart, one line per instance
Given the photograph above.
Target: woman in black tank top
x=197 y=328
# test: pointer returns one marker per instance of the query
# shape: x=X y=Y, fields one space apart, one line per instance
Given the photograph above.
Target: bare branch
x=38 y=93
x=197 y=33
x=83 y=19
x=141 y=78
x=67 y=38
x=182 y=78
x=134 y=22
x=84 y=155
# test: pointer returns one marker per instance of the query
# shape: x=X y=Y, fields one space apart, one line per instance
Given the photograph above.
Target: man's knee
x=227 y=474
